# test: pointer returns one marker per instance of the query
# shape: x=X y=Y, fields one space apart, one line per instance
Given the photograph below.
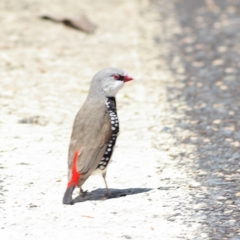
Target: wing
x=90 y=135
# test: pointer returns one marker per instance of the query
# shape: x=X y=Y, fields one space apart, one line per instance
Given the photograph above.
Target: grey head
x=107 y=82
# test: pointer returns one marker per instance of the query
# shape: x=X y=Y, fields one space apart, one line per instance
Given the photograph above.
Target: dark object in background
x=79 y=22
x=39 y=120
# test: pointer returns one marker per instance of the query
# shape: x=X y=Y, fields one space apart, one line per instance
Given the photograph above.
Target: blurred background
x=177 y=158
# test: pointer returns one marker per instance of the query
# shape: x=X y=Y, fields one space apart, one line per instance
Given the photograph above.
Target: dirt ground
x=175 y=169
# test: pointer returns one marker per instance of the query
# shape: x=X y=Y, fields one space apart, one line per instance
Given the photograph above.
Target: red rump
x=75 y=173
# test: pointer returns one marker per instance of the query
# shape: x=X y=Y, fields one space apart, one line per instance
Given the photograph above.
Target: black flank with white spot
x=112 y=111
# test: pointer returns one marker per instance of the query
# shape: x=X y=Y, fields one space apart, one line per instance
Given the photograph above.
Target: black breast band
x=112 y=111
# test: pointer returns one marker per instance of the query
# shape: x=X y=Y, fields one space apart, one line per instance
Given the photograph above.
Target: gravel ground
x=175 y=172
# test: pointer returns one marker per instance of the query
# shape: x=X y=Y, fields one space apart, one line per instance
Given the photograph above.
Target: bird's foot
x=83 y=193
x=107 y=195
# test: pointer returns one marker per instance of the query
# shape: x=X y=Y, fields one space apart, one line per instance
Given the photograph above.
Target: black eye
x=118 y=77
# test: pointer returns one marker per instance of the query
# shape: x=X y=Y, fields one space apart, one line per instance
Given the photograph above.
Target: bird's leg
x=107 y=190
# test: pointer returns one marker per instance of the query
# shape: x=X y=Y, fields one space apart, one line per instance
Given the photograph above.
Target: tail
x=67 y=199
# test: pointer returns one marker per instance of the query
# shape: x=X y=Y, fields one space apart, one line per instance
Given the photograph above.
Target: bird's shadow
x=99 y=194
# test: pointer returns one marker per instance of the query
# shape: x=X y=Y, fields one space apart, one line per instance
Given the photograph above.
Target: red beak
x=127 y=78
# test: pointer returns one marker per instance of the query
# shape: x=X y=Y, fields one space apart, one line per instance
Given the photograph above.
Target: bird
x=95 y=131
